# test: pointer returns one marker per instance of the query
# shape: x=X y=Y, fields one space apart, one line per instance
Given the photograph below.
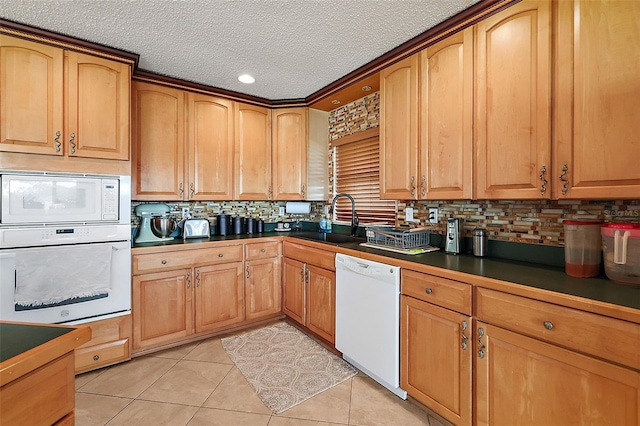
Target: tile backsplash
x=530 y=221
x=265 y=210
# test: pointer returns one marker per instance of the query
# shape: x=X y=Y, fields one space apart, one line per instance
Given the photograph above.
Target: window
x=357 y=173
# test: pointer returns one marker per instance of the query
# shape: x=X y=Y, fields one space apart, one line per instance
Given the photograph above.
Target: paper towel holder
x=297 y=208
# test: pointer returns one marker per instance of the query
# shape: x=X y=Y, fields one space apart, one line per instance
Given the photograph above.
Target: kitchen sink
x=331 y=238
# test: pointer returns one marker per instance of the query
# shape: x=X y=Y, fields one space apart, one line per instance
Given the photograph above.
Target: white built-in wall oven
x=65 y=247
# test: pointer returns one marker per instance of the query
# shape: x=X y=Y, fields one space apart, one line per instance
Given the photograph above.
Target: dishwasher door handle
x=362 y=268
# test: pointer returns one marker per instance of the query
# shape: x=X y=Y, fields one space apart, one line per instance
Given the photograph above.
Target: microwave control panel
x=110 y=196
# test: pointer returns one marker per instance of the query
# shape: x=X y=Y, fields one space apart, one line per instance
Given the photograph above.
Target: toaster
x=196 y=228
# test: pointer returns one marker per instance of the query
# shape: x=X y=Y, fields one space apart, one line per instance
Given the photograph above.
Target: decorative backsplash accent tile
x=265 y=210
x=356 y=116
x=530 y=221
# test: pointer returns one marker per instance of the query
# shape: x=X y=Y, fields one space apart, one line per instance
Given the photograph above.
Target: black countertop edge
x=544 y=277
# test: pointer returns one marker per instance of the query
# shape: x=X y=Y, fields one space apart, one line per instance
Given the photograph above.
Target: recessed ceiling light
x=335 y=102
x=366 y=88
x=246 y=78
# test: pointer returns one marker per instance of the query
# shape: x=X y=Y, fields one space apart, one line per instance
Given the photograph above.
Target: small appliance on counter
x=196 y=228
x=582 y=248
x=148 y=213
x=480 y=242
x=454 y=242
x=621 y=246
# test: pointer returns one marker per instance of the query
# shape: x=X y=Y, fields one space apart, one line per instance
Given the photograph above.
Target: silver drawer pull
x=548 y=325
x=164 y=262
x=263 y=251
x=220 y=255
x=96 y=357
x=428 y=290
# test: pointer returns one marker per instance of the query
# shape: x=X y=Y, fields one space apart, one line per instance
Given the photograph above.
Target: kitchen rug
x=284 y=366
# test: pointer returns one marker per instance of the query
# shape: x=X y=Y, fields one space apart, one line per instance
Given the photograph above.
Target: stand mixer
x=146 y=212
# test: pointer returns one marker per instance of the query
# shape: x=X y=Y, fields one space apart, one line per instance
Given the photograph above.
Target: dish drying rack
x=402 y=240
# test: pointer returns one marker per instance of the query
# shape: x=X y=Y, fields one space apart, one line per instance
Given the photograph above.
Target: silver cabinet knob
x=428 y=290
x=548 y=325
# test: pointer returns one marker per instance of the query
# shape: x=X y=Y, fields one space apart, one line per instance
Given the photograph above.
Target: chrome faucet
x=354 y=215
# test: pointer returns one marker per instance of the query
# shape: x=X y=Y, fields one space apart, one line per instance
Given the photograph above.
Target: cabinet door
x=436 y=358
x=520 y=380
x=321 y=302
x=446 y=114
x=597 y=91
x=253 y=153
x=399 y=130
x=31 y=97
x=97 y=114
x=262 y=288
x=289 y=139
x=162 y=308
x=210 y=144
x=513 y=103
x=157 y=169
x=219 y=296
x=293 y=297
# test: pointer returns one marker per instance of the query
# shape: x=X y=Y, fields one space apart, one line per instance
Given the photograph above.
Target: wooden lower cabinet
x=436 y=357
x=162 y=308
x=524 y=381
x=219 y=296
x=178 y=295
x=110 y=343
x=309 y=291
x=293 y=297
x=321 y=302
x=262 y=288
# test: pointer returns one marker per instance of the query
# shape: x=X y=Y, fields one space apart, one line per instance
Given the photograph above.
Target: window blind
x=357 y=173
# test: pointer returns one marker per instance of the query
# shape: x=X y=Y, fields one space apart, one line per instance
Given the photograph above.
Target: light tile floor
x=198 y=384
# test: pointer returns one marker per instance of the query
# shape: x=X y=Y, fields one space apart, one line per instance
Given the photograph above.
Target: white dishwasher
x=368 y=318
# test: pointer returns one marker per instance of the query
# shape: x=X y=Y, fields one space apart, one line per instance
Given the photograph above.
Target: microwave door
x=50 y=199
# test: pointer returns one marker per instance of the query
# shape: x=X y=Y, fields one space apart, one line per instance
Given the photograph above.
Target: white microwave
x=42 y=198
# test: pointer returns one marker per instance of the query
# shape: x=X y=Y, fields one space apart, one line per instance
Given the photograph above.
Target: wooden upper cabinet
x=31 y=97
x=597 y=89
x=289 y=139
x=513 y=103
x=210 y=148
x=399 y=130
x=58 y=102
x=253 y=153
x=446 y=118
x=158 y=143
x=97 y=112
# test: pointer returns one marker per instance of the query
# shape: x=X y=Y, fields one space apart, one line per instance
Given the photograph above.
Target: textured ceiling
x=292 y=47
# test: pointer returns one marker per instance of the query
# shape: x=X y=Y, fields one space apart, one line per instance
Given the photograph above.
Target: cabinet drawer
x=143 y=263
x=97 y=356
x=449 y=294
x=312 y=256
x=264 y=250
x=594 y=334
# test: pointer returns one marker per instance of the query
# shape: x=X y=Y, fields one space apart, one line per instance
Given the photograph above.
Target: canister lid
x=609 y=229
x=479 y=232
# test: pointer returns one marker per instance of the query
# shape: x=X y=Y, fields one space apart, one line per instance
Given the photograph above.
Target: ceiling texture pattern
x=292 y=47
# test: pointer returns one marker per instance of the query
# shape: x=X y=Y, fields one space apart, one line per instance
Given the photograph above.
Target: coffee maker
x=454 y=241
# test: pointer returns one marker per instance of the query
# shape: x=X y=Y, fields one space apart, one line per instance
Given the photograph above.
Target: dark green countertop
x=530 y=274
x=541 y=276
x=19 y=338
